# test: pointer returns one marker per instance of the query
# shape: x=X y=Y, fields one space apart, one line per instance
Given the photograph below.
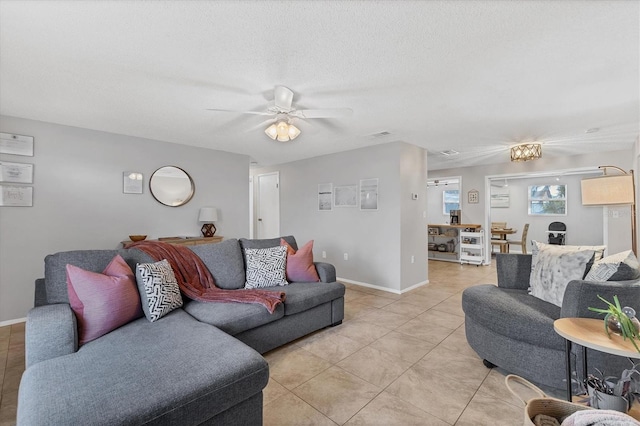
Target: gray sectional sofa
x=198 y=365
x=513 y=330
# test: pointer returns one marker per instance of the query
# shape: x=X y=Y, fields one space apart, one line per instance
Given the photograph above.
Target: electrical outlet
x=324 y=254
x=346 y=256
x=424 y=214
x=413 y=259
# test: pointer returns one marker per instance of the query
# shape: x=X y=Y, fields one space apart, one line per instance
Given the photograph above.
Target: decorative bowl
x=135 y=238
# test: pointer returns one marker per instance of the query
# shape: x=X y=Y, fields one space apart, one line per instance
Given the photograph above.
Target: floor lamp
x=612 y=190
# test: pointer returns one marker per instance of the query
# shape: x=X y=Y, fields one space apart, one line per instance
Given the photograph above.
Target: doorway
x=267 y=223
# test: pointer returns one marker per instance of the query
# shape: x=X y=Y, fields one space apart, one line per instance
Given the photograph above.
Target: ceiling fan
x=284 y=113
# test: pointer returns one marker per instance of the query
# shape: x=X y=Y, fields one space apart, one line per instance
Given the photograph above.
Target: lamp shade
x=607 y=190
x=208 y=214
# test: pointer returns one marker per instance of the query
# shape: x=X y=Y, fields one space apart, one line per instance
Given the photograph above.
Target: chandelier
x=282 y=131
x=526 y=152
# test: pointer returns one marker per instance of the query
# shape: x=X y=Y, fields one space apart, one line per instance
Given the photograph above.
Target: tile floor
x=395 y=360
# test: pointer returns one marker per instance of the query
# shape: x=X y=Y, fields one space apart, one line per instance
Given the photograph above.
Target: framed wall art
x=16 y=172
x=345 y=196
x=16 y=196
x=369 y=194
x=325 y=197
x=473 y=196
x=16 y=144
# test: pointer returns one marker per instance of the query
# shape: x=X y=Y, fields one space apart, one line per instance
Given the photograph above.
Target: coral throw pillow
x=300 y=267
x=103 y=302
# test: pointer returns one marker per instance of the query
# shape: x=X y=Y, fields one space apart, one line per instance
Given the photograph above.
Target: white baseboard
x=13 y=321
x=413 y=287
x=387 y=289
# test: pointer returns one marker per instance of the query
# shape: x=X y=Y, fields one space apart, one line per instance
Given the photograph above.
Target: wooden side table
x=183 y=241
x=589 y=333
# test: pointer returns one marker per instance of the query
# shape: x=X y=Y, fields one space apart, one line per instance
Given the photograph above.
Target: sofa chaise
x=511 y=329
x=197 y=365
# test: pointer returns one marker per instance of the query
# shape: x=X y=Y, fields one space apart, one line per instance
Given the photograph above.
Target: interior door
x=268 y=205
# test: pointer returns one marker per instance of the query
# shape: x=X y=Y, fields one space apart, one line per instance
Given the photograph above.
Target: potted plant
x=620 y=320
x=613 y=393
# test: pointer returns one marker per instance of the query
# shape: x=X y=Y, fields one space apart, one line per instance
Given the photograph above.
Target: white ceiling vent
x=449 y=152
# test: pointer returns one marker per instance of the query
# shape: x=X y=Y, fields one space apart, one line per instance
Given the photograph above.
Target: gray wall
x=78 y=201
x=377 y=242
x=618 y=229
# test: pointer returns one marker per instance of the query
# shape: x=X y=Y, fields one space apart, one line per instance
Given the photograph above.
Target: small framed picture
x=132 y=182
x=16 y=172
x=16 y=144
x=473 y=196
x=16 y=196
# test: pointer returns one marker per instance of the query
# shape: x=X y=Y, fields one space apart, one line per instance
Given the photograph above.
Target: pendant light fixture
x=526 y=152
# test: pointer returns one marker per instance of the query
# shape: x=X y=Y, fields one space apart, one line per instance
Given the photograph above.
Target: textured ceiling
x=472 y=76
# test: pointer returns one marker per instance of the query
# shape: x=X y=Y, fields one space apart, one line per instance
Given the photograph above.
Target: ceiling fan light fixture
x=272 y=131
x=294 y=132
x=282 y=131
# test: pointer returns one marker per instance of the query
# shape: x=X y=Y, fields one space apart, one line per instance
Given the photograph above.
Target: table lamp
x=208 y=215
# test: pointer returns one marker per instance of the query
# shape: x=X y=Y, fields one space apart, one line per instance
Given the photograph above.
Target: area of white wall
x=78 y=202
x=474 y=177
x=372 y=239
x=413 y=245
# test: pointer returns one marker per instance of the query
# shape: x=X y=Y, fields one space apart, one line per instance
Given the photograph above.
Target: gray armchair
x=513 y=330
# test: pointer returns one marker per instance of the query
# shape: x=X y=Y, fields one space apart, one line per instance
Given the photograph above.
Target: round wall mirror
x=171 y=186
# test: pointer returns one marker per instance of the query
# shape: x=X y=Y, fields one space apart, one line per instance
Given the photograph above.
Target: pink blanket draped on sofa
x=195 y=280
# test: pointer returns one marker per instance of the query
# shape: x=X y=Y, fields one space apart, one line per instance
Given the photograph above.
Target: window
x=450 y=200
x=548 y=200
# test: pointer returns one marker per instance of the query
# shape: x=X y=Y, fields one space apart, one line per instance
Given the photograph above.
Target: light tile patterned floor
x=396 y=360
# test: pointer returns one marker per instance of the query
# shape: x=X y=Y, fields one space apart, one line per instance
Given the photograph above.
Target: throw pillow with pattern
x=158 y=289
x=266 y=267
x=617 y=267
x=554 y=269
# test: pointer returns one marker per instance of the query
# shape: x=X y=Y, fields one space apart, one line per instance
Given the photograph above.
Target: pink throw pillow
x=103 y=302
x=300 y=267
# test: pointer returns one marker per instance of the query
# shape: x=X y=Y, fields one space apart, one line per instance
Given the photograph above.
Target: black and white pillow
x=158 y=287
x=617 y=267
x=266 y=267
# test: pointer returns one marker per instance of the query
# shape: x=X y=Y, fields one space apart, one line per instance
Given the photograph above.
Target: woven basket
x=553 y=407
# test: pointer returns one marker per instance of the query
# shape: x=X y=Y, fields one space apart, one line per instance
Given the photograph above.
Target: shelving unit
x=449 y=236
x=472 y=247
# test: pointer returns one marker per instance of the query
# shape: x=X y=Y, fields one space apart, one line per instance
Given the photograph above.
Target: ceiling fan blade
x=241 y=112
x=323 y=113
x=283 y=96
x=262 y=126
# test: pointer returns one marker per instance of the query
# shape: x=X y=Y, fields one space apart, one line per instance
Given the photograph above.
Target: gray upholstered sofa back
x=225 y=261
x=55 y=267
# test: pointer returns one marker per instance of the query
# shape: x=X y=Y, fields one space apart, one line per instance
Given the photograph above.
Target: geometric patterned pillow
x=266 y=267
x=617 y=267
x=158 y=289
